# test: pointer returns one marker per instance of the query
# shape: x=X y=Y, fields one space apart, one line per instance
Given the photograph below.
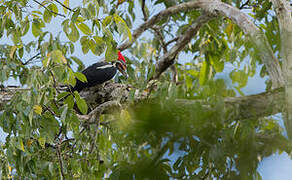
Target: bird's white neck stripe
x=105 y=66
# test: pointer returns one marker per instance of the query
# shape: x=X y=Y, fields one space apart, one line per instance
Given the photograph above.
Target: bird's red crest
x=121 y=57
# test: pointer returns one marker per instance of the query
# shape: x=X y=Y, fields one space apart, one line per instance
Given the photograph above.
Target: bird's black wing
x=97 y=73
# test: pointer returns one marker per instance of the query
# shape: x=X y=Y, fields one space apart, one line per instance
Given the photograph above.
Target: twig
x=62 y=15
x=67 y=140
x=28 y=61
x=59 y=133
x=143 y=10
x=60 y=161
x=51 y=111
x=171 y=41
x=55 y=82
x=160 y=38
x=164 y=47
x=64 y=5
x=244 y=4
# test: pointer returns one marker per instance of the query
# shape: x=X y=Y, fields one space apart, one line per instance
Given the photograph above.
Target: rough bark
x=283 y=11
x=109 y=95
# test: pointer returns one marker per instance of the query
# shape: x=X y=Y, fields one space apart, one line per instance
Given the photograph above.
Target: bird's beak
x=122 y=68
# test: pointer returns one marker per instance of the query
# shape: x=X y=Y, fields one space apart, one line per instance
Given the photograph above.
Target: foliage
x=157 y=138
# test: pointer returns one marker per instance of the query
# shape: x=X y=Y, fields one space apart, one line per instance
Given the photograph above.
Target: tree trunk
x=283 y=10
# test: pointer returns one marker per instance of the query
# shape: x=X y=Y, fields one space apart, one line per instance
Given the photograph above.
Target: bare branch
x=159 y=35
x=143 y=10
x=244 y=4
x=64 y=5
x=32 y=58
x=168 y=59
x=238 y=17
x=62 y=15
x=171 y=41
x=60 y=161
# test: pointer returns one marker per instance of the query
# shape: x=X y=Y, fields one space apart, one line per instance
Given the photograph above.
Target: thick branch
x=238 y=17
x=168 y=59
x=283 y=11
x=105 y=107
x=254 y=106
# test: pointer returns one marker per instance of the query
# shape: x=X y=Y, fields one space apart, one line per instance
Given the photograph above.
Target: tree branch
x=254 y=106
x=168 y=59
x=32 y=58
x=171 y=41
x=64 y=5
x=283 y=11
x=143 y=10
x=101 y=109
x=60 y=162
x=244 y=4
x=238 y=17
x=62 y=15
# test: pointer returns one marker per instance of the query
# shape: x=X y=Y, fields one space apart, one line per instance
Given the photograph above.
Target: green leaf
x=71 y=77
x=122 y=27
x=85 y=44
x=92 y=47
x=20 y=52
x=81 y=103
x=36 y=28
x=84 y=28
x=107 y=20
x=74 y=35
x=62 y=95
x=80 y=76
x=85 y=13
x=42 y=142
x=91 y=9
x=75 y=14
x=99 y=45
x=189 y=82
x=79 y=62
x=66 y=3
x=25 y=27
x=20 y=145
x=110 y=54
x=216 y=63
x=240 y=77
x=47 y=16
x=64 y=114
x=54 y=8
x=58 y=57
x=69 y=101
x=204 y=72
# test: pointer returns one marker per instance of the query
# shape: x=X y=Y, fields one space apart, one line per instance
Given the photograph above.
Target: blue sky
x=275 y=167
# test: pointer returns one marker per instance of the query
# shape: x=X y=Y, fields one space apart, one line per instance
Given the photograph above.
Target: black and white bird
x=101 y=72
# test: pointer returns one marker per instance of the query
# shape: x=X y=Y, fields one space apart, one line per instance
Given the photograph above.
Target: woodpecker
x=101 y=72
